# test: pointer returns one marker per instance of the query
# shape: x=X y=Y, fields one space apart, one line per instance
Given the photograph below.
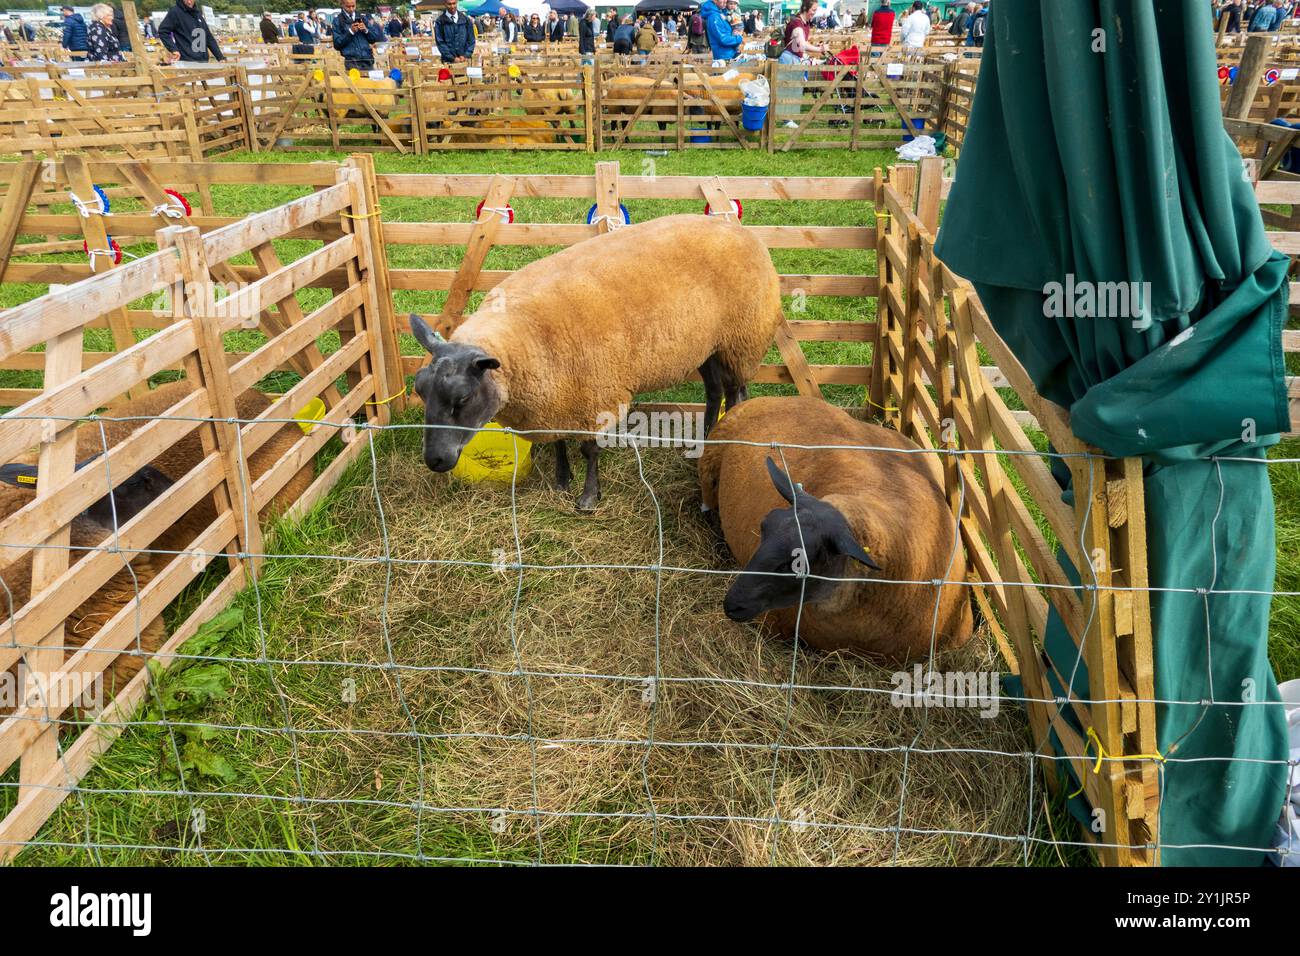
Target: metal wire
x=655 y=815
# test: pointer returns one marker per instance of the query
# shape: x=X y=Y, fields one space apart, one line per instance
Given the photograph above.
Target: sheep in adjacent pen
x=176 y=461
x=849 y=513
x=560 y=346
x=93 y=528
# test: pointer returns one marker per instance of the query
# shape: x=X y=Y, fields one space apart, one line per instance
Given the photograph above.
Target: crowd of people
x=968 y=23
x=1252 y=16
x=187 y=36
x=717 y=28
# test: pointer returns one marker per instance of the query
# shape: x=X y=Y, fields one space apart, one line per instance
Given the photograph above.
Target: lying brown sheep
x=178 y=460
x=857 y=510
x=88 y=531
x=560 y=345
x=94 y=528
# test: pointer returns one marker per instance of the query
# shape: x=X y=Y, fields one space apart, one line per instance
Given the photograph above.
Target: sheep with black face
x=848 y=516
x=560 y=345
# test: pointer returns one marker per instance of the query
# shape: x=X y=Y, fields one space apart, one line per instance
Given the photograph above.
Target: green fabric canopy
x=1109 y=164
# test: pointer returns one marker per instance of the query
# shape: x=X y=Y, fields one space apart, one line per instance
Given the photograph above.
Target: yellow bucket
x=491 y=455
x=309 y=415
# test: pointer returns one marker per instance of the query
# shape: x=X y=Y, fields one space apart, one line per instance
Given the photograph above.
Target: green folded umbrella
x=1096 y=154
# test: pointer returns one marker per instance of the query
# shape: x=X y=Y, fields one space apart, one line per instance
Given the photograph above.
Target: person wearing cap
x=270 y=32
x=587 y=33
x=75 y=34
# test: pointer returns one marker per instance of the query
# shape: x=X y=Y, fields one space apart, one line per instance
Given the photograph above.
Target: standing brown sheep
x=561 y=346
x=856 y=510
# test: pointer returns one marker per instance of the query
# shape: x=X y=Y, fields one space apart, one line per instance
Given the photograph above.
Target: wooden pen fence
x=52 y=750
x=611 y=103
x=914 y=334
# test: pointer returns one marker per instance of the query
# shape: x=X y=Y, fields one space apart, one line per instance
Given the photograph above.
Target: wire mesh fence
x=521 y=827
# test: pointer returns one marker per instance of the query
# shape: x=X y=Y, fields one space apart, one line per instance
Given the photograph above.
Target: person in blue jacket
x=1268 y=18
x=454 y=34
x=74 y=33
x=304 y=30
x=354 y=35
x=724 y=41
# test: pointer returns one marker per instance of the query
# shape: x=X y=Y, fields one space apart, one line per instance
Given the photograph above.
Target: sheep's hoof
x=587 y=503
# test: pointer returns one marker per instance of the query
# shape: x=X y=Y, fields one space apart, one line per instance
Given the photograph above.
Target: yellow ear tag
x=491 y=455
x=354 y=74
x=309 y=415
x=319 y=76
x=514 y=72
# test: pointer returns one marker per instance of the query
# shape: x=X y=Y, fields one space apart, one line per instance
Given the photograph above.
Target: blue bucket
x=753 y=117
x=917 y=124
x=700 y=136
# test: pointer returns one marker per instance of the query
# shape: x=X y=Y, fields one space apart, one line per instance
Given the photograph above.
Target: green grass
x=130 y=797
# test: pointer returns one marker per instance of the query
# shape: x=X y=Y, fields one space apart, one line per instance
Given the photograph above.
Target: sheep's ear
x=847 y=545
x=427 y=338
x=484 y=364
x=781 y=480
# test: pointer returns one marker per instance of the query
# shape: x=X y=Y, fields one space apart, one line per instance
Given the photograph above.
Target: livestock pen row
x=64 y=629
x=194 y=113
x=918 y=328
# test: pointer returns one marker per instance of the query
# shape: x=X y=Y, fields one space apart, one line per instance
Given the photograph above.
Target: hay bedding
x=582 y=623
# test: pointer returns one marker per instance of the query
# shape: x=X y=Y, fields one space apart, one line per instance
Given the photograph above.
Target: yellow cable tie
x=390 y=398
x=1093 y=739
x=369 y=215
x=883 y=408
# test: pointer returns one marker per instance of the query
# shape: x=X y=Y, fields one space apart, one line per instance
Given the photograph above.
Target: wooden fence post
x=132 y=19
x=588 y=106
x=95 y=232
x=384 y=322
x=768 y=140
x=417 y=112
x=1249 y=76
x=607 y=195
x=55 y=467
x=246 y=107
x=195 y=302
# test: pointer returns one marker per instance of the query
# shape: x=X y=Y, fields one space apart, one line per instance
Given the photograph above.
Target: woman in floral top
x=101 y=41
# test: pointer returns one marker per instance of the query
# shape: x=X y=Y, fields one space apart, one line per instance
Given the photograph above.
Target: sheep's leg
x=562 y=471
x=590 y=487
x=735 y=387
x=711 y=372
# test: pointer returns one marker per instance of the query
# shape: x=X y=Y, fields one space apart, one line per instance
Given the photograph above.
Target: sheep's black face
x=130 y=497
x=794 y=555
x=459 y=397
